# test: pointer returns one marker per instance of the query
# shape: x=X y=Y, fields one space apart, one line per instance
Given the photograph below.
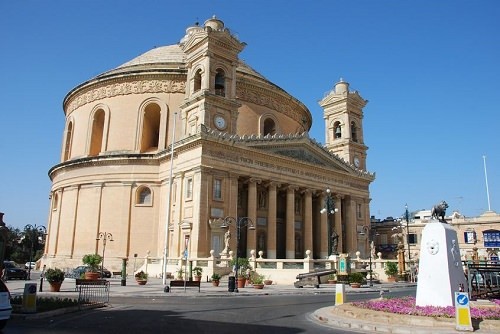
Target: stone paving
x=342 y=316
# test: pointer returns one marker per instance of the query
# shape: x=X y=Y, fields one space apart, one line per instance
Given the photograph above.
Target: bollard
x=29 y=298
x=124 y=272
x=339 y=294
x=231 y=284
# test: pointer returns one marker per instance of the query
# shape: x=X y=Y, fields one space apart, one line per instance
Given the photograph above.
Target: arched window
x=150 y=128
x=67 y=144
x=354 y=132
x=144 y=196
x=197 y=81
x=55 y=200
x=220 y=83
x=337 y=130
x=269 y=127
x=97 y=133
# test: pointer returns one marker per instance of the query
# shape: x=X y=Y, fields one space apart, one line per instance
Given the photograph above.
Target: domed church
x=161 y=154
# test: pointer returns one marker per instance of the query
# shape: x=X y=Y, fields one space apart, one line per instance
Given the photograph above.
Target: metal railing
x=93 y=294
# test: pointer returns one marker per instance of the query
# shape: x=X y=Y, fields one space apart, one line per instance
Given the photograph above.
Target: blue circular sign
x=462 y=299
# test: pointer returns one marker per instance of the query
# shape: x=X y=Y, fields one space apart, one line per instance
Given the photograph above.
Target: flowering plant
x=406 y=305
x=141 y=275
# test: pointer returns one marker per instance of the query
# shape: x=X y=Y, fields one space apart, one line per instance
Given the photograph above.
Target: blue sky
x=430 y=70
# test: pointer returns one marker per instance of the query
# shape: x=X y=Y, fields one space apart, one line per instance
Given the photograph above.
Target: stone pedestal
x=440 y=271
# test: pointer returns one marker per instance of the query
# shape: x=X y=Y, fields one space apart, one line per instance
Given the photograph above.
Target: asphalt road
x=186 y=314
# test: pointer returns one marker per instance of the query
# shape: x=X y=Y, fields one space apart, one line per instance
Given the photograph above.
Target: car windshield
x=9 y=265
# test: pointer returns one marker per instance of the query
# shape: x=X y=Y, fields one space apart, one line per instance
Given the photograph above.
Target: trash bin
x=231 y=284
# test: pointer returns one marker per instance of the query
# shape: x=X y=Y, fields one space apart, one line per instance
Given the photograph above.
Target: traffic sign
x=462 y=312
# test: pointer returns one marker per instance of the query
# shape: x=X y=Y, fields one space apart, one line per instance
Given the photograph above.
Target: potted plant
x=243 y=266
x=258 y=281
x=92 y=261
x=55 y=277
x=197 y=273
x=355 y=279
x=332 y=279
x=391 y=270
x=215 y=279
x=180 y=273
x=268 y=281
x=141 y=277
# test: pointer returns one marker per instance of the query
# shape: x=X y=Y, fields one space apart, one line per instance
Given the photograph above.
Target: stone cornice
x=124 y=85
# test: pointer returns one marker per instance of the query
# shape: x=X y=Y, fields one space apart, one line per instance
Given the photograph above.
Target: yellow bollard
x=339 y=294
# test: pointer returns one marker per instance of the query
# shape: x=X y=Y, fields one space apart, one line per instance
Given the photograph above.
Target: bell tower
x=343 y=115
x=211 y=60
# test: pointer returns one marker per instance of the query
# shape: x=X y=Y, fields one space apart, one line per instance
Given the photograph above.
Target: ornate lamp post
x=407 y=217
x=242 y=222
x=370 y=233
x=330 y=209
x=103 y=236
x=32 y=232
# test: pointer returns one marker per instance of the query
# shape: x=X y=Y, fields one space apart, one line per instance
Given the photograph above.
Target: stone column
x=252 y=214
x=271 y=221
x=324 y=252
x=290 y=222
x=308 y=226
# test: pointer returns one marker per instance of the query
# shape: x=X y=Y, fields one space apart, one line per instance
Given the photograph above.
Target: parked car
x=5 y=307
x=13 y=271
x=29 y=265
x=80 y=270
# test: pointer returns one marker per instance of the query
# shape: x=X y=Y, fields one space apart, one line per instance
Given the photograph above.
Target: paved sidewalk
x=343 y=317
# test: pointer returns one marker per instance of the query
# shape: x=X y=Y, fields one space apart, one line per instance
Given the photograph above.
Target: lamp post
x=32 y=231
x=407 y=217
x=103 y=236
x=242 y=222
x=330 y=209
x=369 y=231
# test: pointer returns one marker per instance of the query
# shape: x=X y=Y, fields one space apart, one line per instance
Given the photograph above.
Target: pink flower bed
x=406 y=305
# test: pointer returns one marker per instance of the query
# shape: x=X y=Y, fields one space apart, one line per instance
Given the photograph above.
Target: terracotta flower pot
x=268 y=282
x=91 y=275
x=241 y=282
x=215 y=283
x=141 y=281
x=55 y=286
x=258 y=286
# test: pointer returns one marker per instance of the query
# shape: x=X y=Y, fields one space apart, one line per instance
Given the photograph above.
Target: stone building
x=182 y=136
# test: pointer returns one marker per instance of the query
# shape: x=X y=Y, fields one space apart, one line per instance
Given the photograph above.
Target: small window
x=358 y=211
x=220 y=83
x=412 y=238
x=218 y=189
x=269 y=127
x=67 y=145
x=491 y=238
x=189 y=188
x=55 y=199
x=144 y=196
x=197 y=81
x=354 y=132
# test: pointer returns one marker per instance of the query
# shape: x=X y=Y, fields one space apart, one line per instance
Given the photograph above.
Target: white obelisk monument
x=440 y=272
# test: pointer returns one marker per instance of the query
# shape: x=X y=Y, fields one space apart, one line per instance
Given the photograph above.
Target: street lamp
x=370 y=241
x=407 y=217
x=242 y=222
x=330 y=209
x=104 y=236
x=33 y=231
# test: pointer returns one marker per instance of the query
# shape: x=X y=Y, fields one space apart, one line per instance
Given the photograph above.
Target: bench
x=312 y=278
x=116 y=274
x=185 y=284
x=79 y=282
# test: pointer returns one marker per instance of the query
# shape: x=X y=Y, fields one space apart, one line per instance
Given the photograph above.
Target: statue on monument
x=439 y=211
x=335 y=242
x=227 y=238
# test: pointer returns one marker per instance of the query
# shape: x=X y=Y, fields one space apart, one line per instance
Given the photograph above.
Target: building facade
x=478 y=237
x=159 y=150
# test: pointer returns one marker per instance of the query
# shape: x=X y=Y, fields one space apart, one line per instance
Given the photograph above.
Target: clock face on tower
x=356 y=161
x=220 y=122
